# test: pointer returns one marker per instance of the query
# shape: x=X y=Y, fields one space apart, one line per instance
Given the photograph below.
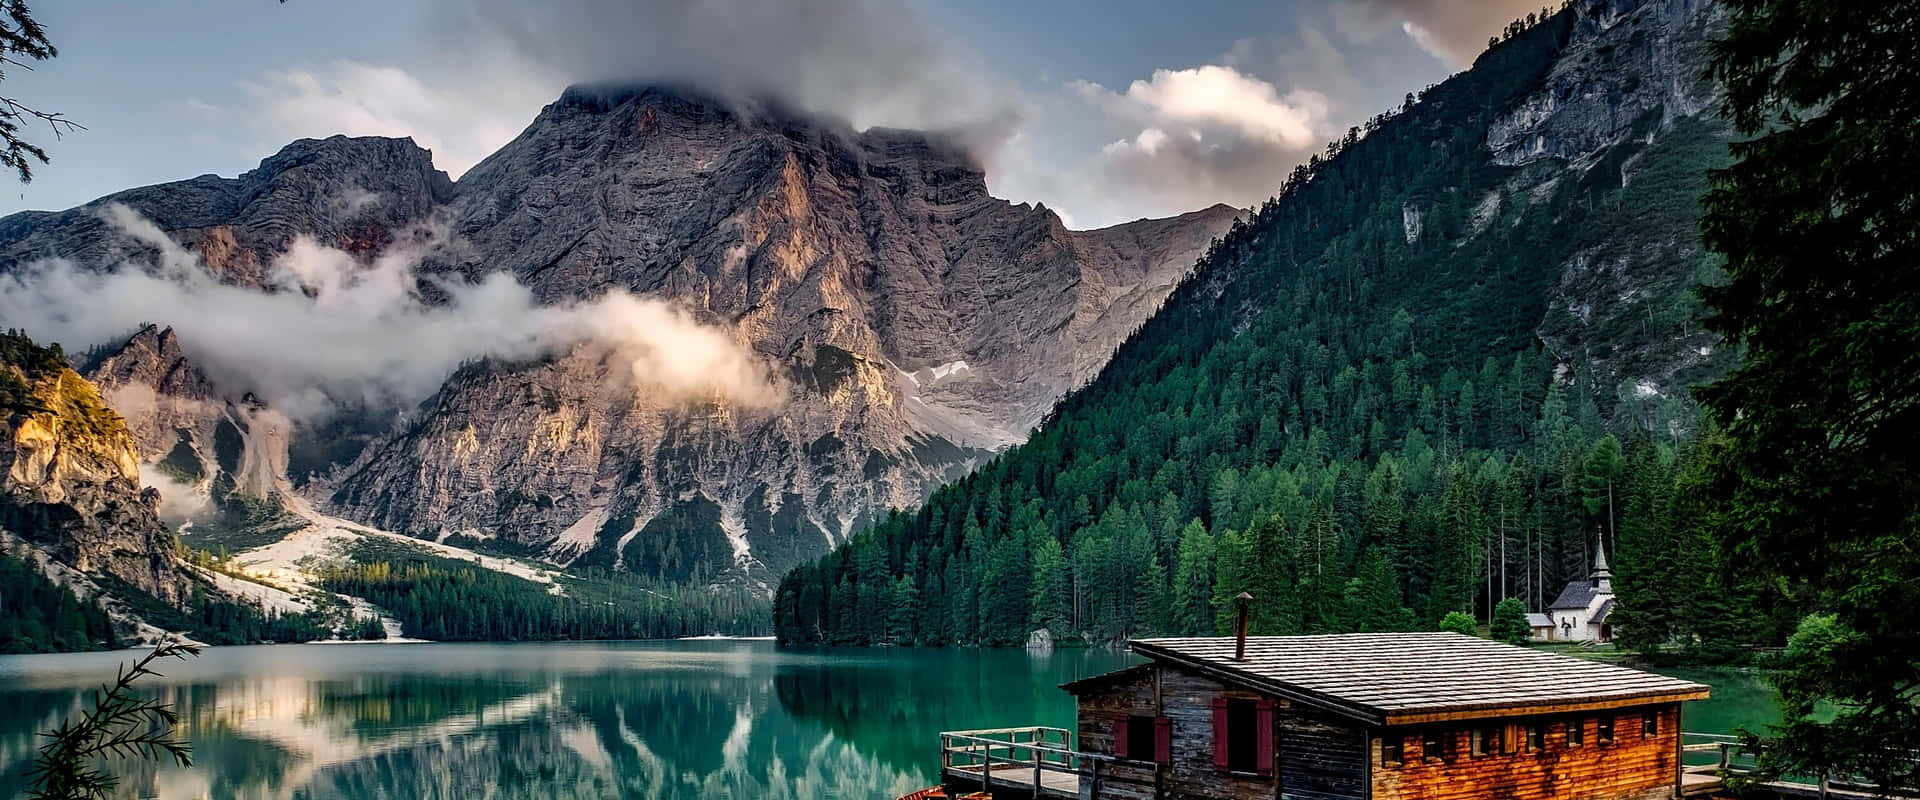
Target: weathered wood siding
x=1321 y=757
x=1631 y=766
x=1317 y=757
x=1100 y=712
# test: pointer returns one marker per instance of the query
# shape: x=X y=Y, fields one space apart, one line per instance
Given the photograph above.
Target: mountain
x=1426 y=376
x=914 y=325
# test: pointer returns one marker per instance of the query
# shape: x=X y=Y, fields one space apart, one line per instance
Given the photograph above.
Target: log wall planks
x=1631 y=766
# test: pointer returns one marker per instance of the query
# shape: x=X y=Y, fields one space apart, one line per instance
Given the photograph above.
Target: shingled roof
x=1578 y=594
x=1411 y=678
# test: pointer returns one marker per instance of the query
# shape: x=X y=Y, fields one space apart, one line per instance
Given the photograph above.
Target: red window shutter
x=1120 y=739
x=1264 y=721
x=1163 y=740
x=1220 y=733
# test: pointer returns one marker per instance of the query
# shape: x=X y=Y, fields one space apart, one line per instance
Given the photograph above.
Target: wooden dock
x=1053 y=782
x=1030 y=762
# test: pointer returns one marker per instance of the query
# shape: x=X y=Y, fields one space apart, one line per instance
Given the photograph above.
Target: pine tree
x=905 y=610
x=1230 y=579
x=1816 y=478
x=1193 y=579
x=1052 y=600
x=1375 y=598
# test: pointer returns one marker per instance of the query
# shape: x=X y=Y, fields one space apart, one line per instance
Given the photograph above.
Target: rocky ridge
x=913 y=324
x=1627 y=101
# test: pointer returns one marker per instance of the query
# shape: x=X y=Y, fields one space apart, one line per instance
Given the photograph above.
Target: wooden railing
x=1026 y=752
x=1029 y=755
x=1731 y=756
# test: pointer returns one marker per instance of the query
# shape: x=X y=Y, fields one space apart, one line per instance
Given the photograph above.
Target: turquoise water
x=705 y=719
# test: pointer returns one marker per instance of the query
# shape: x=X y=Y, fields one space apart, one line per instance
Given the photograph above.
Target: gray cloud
x=488 y=65
x=872 y=62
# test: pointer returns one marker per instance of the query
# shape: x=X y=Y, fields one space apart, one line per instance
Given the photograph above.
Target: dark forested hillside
x=1450 y=355
x=446 y=599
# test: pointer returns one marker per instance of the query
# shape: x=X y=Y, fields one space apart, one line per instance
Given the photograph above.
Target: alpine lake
x=661 y=719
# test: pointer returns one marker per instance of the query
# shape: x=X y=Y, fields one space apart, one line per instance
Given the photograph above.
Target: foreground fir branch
x=22 y=37
x=119 y=725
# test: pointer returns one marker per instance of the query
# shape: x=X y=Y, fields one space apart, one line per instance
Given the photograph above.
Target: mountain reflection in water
x=574 y=720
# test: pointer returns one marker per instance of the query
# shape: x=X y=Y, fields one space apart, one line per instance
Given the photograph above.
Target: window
x=1141 y=737
x=1650 y=724
x=1431 y=746
x=1606 y=730
x=1576 y=732
x=1392 y=751
x=1243 y=735
x=1489 y=740
x=1536 y=738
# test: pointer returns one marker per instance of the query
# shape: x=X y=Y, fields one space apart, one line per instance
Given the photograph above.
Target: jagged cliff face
x=911 y=324
x=71 y=480
x=1628 y=103
x=1627 y=60
x=916 y=325
x=223 y=461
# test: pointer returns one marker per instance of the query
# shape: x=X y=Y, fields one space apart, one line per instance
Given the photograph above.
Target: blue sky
x=1105 y=111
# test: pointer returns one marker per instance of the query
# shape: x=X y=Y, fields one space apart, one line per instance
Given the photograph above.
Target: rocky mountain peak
x=152 y=358
x=347 y=192
x=915 y=324
x=1630 y=67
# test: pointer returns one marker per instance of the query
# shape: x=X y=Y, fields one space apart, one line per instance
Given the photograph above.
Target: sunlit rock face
x=909 y=325
x=70 y=481
x=913 y=324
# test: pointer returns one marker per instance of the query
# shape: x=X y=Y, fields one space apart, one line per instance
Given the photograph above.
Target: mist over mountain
x=660 y=331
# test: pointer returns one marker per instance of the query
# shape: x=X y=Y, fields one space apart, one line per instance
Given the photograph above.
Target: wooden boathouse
x=1382 y=716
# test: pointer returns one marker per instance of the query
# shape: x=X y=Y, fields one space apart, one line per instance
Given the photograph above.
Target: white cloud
x=1216 y=98
x=461 y=121
x=334 y=328
x=489 y=65
x=1190 y=138
x=1227 y=131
